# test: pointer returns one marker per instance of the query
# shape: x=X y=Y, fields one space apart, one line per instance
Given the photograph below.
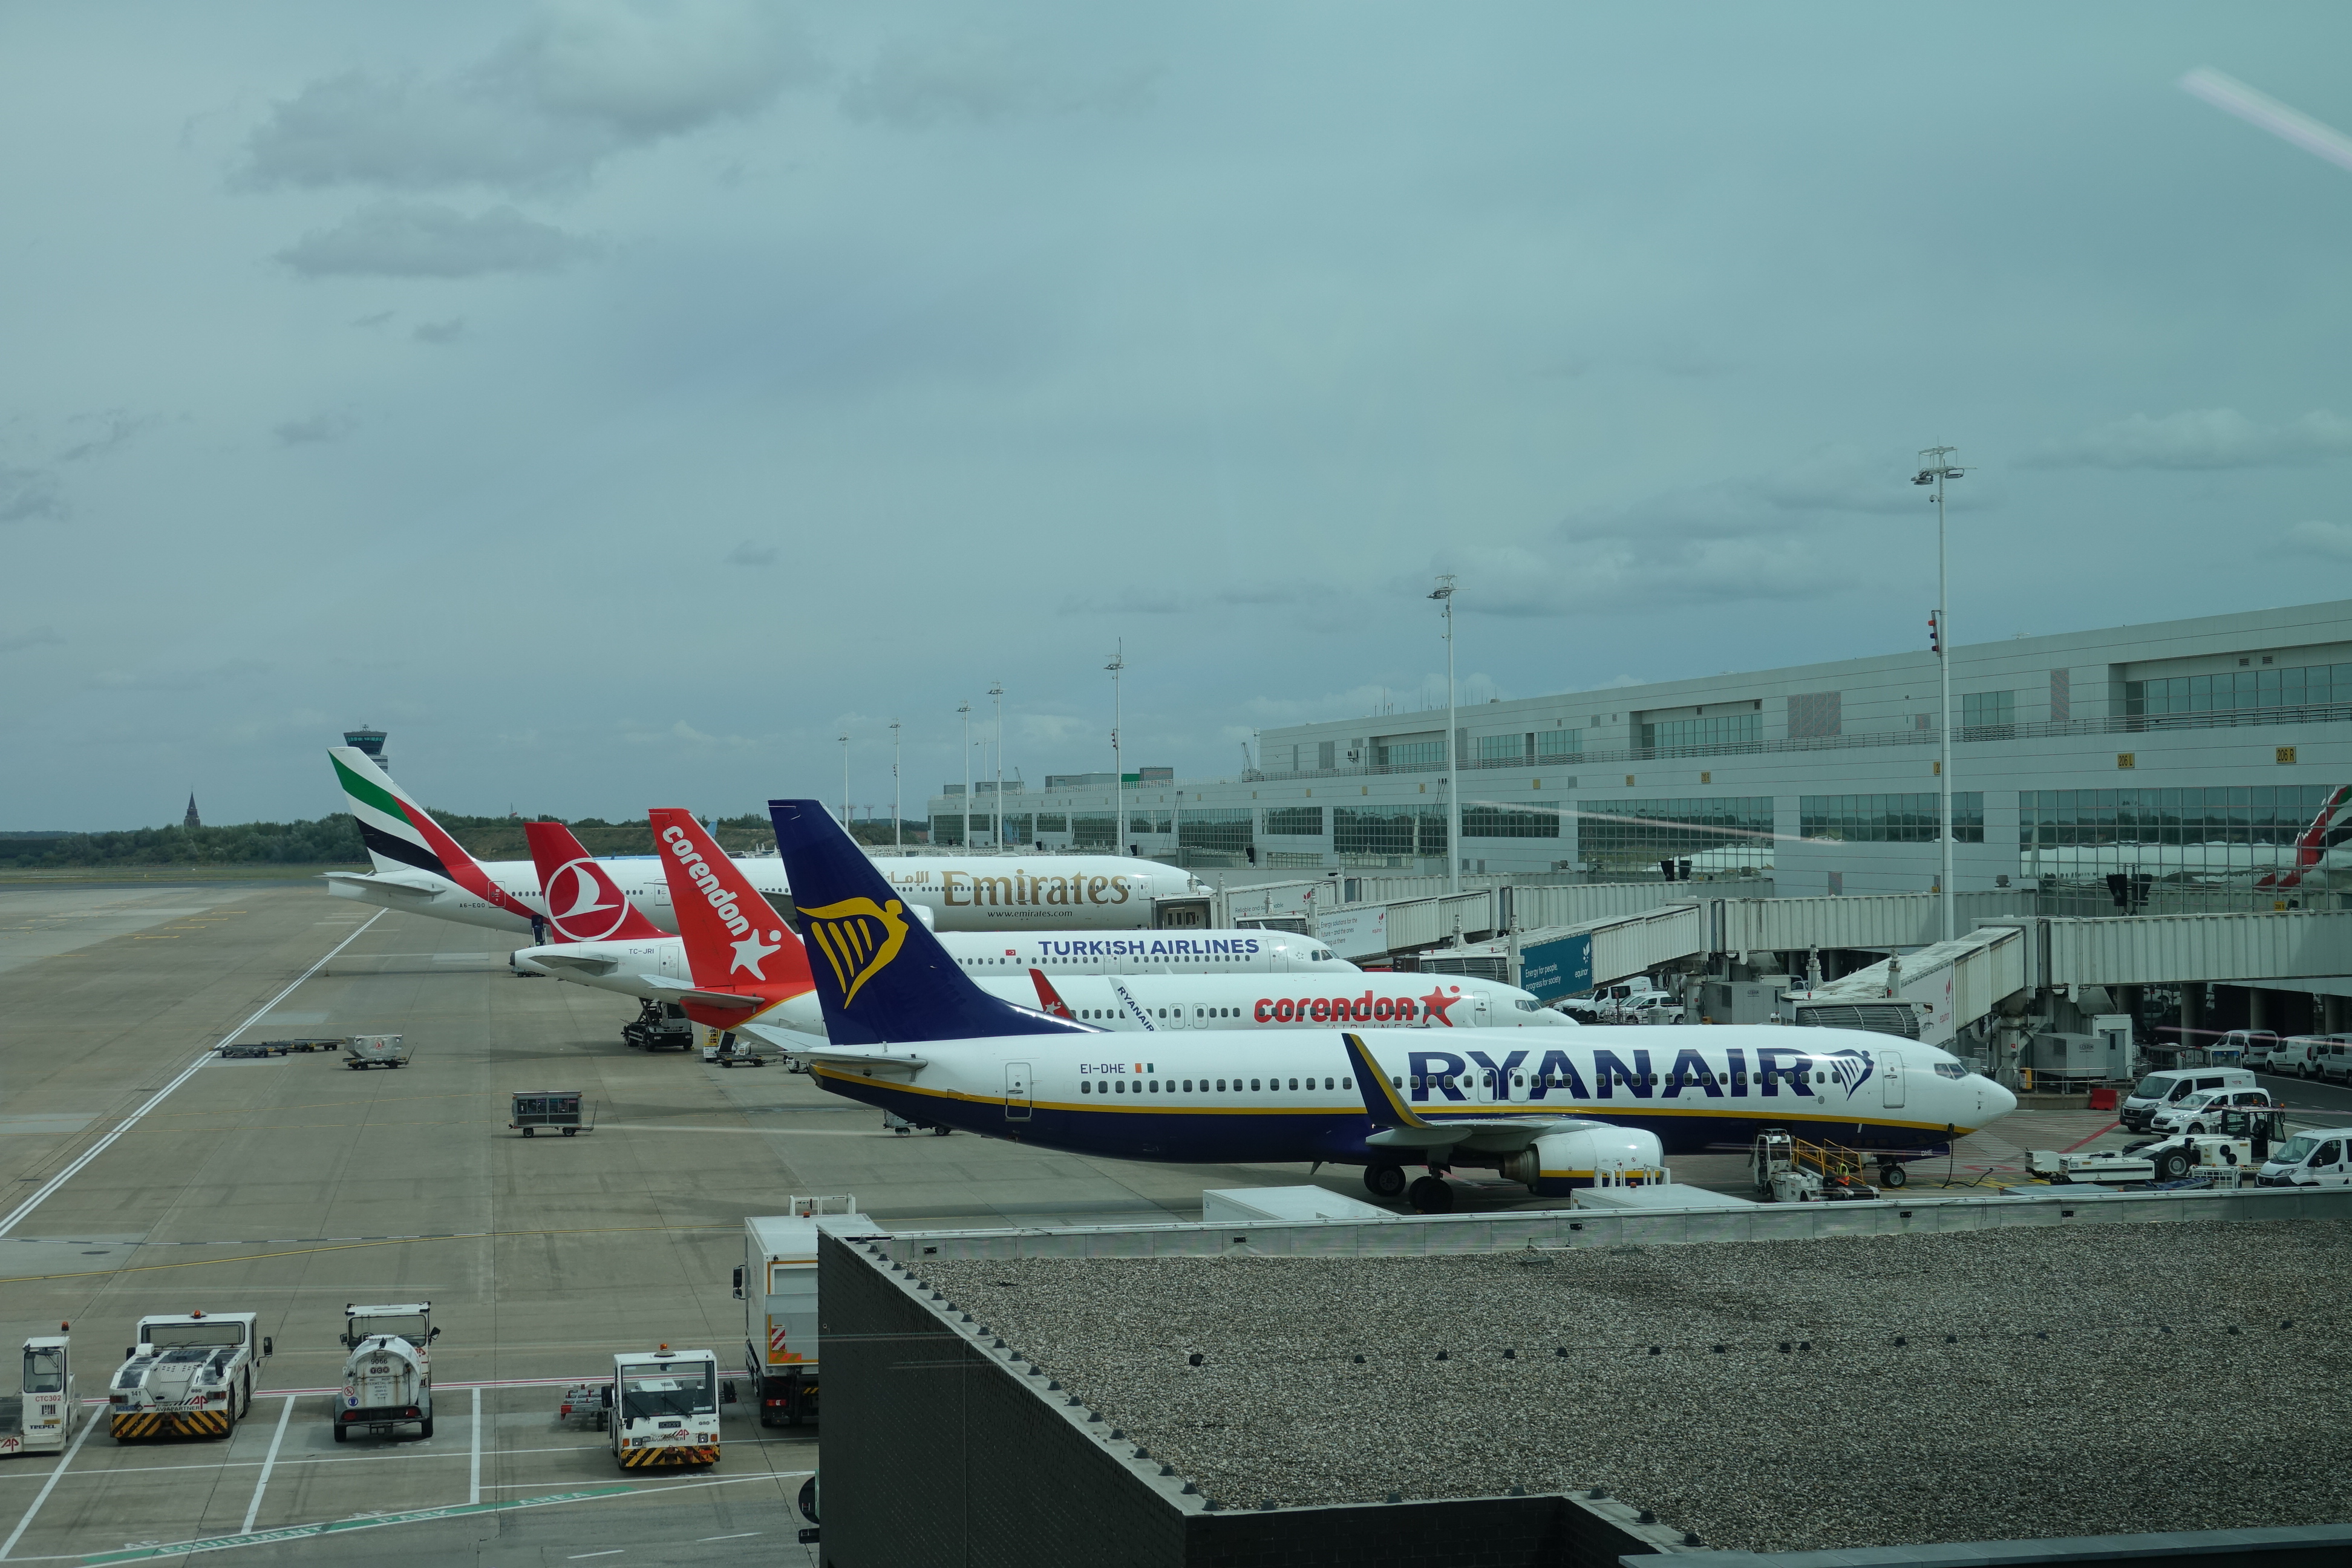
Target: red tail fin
x=2311 y=849
x=582 y=902
x=1049 y=1001
x=734 y=938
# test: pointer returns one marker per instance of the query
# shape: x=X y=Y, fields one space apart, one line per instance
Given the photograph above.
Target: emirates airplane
x=420 y=868
x=736 y=964
x=911 y=1032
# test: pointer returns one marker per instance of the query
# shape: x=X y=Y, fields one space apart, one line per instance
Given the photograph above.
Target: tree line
x=335 y=841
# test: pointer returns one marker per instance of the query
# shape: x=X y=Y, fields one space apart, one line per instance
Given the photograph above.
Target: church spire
x=193 y=820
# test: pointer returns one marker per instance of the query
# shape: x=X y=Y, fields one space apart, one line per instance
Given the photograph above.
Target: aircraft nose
x=1999 y=1101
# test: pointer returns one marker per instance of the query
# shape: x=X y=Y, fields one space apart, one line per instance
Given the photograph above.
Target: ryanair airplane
x=420 y=868
x=911 y=1032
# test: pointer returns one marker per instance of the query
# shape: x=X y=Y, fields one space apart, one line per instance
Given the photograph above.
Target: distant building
x=192 y=819
x=370 y=743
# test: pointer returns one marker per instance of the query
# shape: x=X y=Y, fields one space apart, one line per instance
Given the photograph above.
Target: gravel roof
x=2167 y=1395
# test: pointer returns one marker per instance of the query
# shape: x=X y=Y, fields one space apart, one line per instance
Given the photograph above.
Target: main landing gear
x=1430 y=1195
x=1384 y=1181
x=1891 y=1173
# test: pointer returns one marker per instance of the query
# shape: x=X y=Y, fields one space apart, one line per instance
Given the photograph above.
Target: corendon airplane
x=699 y=962
x=420 y=868
x=910 y=1032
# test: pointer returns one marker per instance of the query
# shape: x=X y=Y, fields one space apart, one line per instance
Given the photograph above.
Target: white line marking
x=268 y=1463
x=47 y=1487
x=745 y=1536
x=474 y=1463
x=17 y=1215
x=577 y=1556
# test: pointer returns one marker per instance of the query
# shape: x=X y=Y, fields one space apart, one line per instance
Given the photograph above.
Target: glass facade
x=1295 y=822
x=1559 y=742
x=1731 y=832
x=1153 y=821
x=1415 y=830
x=2311 y=683
x=1889 y=818
x=1703 y=734
x=1053 y=822
x=1016 y=828
x=1539 y=820
x=1414 y=755
x=947 y=829
x=1094 y=829
x=1225 y=828
x=1502 y=748
x=1979 y=709
x=2183 y=834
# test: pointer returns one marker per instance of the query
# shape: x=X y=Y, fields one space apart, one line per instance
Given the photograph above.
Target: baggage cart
x=561 y=1110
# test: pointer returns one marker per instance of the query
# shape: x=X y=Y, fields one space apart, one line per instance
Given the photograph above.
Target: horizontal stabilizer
x=550 y=958
x=378 y=883
x=685 y=991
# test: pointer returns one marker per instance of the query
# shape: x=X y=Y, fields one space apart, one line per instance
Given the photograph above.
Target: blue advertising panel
x=1556 y=969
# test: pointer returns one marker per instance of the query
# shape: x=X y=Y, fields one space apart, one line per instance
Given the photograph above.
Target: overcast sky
x=615 y=403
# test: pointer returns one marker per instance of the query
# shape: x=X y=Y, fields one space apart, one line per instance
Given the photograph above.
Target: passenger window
x=1188 y=1086
x=1293 y=1083
x=1347 y=1083
x=1327 y=1083
x=1118 y=1086
x=1085 y=1088
x=1155 y=1086
x=1252 y=1084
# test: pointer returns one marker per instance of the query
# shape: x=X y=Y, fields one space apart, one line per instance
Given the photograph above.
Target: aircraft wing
x=583 y=963
x=685 y=991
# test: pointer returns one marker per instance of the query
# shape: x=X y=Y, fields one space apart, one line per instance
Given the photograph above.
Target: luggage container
x=562 y=1110
x=375 y=1051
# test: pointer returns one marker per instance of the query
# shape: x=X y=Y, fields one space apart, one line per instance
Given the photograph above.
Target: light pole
x=897 y=796
x=1444 y=593
x=845 y=780
x=996 y=837
x=965 y=708
x=1936 y=466
x=1117 y=767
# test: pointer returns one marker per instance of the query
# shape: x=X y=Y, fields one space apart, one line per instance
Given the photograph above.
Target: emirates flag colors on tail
x=584 y=902
x=404 y=840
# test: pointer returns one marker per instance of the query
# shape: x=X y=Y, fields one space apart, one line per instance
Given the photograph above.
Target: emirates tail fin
x=401 y=834
x=735 y=941
x=584 y=902
x=2331 y=826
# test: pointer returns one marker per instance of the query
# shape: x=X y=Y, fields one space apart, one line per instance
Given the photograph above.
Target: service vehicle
x=38 y=1418
x=1795 y=1171
x=2319 y=1158
x=2296 y=1056
x=2333 y=1061
x=375 y=1051
x=727 y=1051
x=190 y=1375
x=2160 y=1089
x=388 y=1376
x=2254 y=1046
x=2227 y=1157
x=563 y=1110
x=662 y=1408
x=777 y=1284
x=2201 y=1111
x=659 y=1026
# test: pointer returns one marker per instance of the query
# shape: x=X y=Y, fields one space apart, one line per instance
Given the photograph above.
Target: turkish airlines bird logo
x=582 y=904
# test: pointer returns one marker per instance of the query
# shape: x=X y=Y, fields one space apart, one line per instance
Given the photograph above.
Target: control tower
x=371 y=742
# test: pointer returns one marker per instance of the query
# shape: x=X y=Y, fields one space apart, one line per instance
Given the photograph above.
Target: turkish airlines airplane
x=420 y=868
x=693 y=969
x=910 y=1033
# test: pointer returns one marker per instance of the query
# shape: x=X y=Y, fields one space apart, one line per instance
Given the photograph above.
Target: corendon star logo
x=1433 y=1005
x=582 y=904
x=751 y=953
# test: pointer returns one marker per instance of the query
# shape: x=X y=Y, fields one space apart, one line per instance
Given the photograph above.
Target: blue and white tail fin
x=881 y=976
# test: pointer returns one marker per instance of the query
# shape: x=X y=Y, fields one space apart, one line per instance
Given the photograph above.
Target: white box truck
x=777 y=1283
x=40 y=1418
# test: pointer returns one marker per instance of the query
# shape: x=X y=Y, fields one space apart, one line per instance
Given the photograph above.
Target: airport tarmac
x=143 y=1176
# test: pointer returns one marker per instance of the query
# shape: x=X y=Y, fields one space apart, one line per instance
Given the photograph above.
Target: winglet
x=1049 y=1001
x=1382 y=1101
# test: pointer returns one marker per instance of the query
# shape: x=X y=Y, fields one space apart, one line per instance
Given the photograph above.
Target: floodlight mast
x=1117 y=764
x=897 y=796
x=1936 y=466
x=964 y=837
x=1443 y=593
x=996 y=807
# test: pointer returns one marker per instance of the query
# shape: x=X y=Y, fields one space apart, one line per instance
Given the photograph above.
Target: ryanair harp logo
x=858 y=938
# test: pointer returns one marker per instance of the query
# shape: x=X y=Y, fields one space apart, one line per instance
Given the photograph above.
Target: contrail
x=2229 y=94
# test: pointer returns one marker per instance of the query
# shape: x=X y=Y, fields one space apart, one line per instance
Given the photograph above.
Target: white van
x=2297 y=1056
x=2201 y=1111
x=2253 y=1046
x=2321 y=1158
x=2160 y=1089
x=2333 y=1061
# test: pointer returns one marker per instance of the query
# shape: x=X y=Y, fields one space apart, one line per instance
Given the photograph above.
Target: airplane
x=417 y=867
x=911 y=1034
x=642 y=963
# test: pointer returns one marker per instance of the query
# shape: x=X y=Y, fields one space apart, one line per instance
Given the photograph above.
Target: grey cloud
x=2199 y=439
x=749 y=554
x=548 y=105
x=447 y=331
x=315 y=430
x=416 y=239
x=971 y=79
x=28 y=493
x=31 y=636
x=2329 y=539
x=101 y=433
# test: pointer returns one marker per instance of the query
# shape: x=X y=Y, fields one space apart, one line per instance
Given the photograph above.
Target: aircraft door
x=1478 y=1017
x=1490 y=1085
x=1890 y=1072
x=1016 y=1091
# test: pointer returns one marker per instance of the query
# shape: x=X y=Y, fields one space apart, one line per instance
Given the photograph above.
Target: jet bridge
x=1928 y=995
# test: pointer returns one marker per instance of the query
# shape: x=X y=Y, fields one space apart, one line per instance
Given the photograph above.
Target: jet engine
x=1557 y=1163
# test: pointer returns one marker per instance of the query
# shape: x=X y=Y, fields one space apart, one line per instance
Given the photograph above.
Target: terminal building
x=2190 y=755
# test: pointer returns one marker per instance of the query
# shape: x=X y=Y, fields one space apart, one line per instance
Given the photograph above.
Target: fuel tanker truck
x=388 y=1376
